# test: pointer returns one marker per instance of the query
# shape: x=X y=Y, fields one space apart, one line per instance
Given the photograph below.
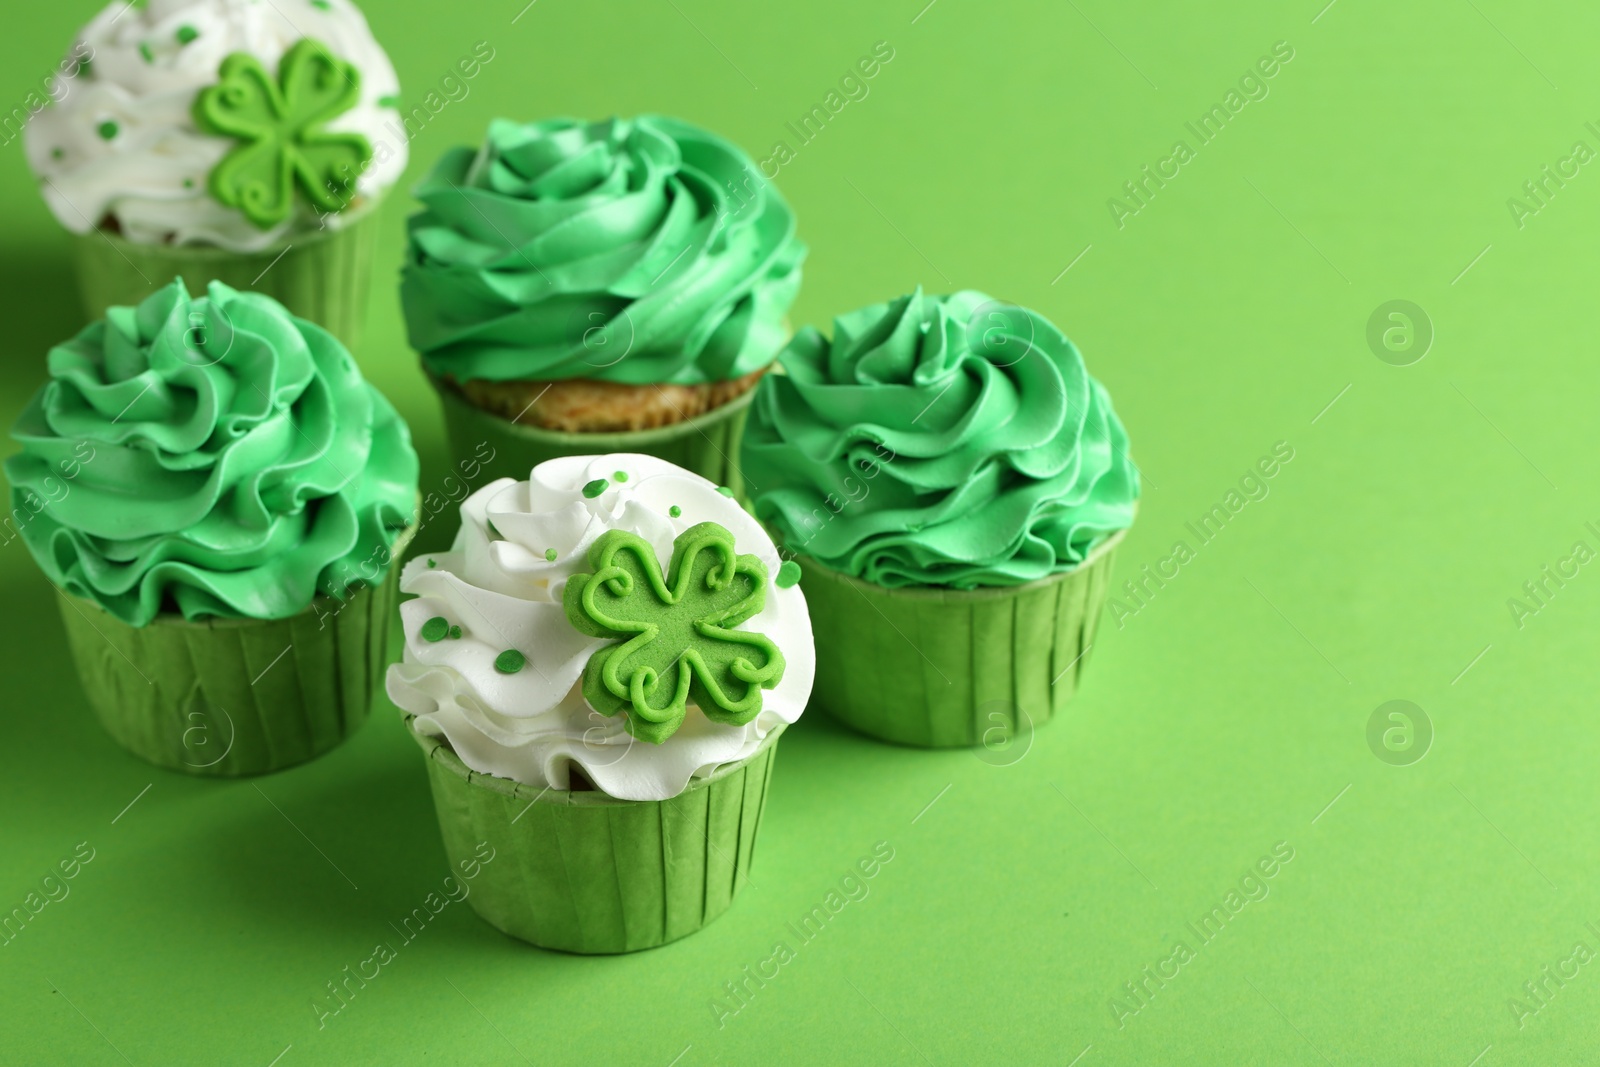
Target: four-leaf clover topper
x=280 y=124
x=675 y=642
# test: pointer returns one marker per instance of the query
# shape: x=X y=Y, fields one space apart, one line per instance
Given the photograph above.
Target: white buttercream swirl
x=150 y=176
x=533 y=725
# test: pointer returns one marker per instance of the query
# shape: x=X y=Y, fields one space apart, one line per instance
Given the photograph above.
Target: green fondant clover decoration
x=281 y=126
x=675 y=641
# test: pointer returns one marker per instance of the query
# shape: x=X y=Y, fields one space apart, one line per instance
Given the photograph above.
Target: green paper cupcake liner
x=235 y=697
x=584 y=872
x=947 y=668
x=324 y=276
x=707 y=444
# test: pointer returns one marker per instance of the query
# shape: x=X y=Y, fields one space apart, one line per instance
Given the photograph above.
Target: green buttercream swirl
x=939 y=441
x=637 y=251
x=216 y=457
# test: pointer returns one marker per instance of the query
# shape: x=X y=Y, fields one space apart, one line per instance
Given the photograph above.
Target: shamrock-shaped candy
x=676 y=642
x=281 y=126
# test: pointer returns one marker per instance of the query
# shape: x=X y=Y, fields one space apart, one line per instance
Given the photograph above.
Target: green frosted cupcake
x=954 y=484
x=620 y=286
x=599 y=670
x=220 y=140
x=218 y=497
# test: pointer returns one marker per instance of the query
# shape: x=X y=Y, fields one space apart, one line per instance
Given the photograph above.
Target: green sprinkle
x=389 y=101
x=187 y=34
x=432 y=563
x=188 y=183
x=550 y=554
x=788 y=574
x=620 y=476
x=510 y=661
x=595 y=488
x=144 y=50
x=724 y=490
x=436 y=628
x=455 y=633
x=322 y=5
x=56 y=153
x=107 y=129
x=674 y=511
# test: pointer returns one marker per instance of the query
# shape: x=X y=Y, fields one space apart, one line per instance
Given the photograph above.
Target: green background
x=1221 y=719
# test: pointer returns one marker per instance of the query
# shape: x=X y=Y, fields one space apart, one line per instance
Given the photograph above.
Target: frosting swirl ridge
x=640 y=251
x=213 y=456
x=939 y=441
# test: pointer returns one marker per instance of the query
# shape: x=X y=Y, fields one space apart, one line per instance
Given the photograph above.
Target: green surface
x=1225 y=716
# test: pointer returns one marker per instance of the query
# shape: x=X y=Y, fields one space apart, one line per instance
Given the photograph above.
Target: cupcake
x=577 y=288
x=953 y=483
x=599 y=670
x=233 y=140
x=217 y=496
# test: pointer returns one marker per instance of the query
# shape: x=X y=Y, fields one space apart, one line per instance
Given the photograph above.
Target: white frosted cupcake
x=599 y=670
x=223 y=139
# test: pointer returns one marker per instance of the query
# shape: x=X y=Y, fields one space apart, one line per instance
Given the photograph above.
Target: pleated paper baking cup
x=235 y=697
x=584 y=872
x=946 y=668
x=324 y=276
x=707 y=444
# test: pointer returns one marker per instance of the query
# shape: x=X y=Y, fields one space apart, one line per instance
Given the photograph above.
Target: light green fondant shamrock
x=281 y=124
x=676 y=642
